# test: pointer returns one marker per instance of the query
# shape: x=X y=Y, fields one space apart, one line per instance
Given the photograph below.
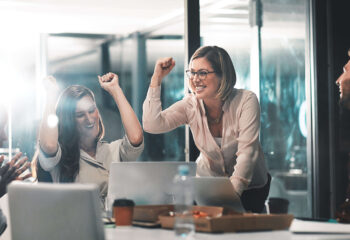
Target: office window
x=278 y=81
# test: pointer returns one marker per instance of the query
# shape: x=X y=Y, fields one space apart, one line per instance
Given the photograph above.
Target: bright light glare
x=302 y=119
x=52 y=120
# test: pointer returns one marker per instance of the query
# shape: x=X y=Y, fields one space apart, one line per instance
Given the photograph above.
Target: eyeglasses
x=202 y=74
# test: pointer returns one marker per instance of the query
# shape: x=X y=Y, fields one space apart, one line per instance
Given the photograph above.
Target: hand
x=109 y=82
x=12 y=171
x=50 y=84
x=21 y=165
x=162 y=68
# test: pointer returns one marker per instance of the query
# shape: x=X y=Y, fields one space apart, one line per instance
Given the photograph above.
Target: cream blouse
x=240 y=156
x=95 y=170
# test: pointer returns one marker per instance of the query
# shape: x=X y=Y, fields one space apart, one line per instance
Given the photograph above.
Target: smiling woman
x=224 y=121
x=73 y=150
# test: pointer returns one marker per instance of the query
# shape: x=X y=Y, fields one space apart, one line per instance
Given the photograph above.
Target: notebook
x=146 y=183
x=46 y=211
x=216 y=191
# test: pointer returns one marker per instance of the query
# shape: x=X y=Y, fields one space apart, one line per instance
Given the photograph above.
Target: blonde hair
x=222 y=66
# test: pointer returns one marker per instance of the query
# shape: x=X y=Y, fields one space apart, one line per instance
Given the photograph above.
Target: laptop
x=146 y=183
x=45 y=211
x=216 y=191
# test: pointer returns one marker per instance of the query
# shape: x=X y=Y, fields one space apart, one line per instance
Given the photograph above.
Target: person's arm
x=132 y=126
x=248 y=144
x=128 y=152
x=154 y=119
x=48 y=135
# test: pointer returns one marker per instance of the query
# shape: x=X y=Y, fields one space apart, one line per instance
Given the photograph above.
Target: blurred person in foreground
x=11 y=170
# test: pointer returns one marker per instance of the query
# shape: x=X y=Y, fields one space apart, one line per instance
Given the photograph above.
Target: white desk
x=136 y=233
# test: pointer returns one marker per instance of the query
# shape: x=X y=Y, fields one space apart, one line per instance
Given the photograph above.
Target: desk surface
x=136 y=233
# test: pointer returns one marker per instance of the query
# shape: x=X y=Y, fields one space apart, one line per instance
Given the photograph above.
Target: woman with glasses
x=224 y=121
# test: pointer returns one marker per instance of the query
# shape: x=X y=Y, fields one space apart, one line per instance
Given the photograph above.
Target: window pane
x=281 y=86
x=169 y=146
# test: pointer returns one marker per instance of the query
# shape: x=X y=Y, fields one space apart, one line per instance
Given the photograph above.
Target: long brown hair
x=222 y=65
x=68 y=136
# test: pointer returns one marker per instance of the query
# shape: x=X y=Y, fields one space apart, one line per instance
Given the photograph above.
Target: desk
x=136 y=233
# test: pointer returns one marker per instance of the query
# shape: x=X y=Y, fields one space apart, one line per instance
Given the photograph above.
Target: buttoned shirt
x=239 y=157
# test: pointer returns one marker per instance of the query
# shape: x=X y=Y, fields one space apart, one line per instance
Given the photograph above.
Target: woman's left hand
x=109 y=82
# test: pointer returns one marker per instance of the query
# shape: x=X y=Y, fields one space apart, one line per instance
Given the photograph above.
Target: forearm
x=48 y=135
x=155 y=120
x=155 y=81
x=131 y=124
x=248 y=159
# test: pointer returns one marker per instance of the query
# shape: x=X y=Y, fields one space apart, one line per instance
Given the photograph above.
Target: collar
x=86 y=157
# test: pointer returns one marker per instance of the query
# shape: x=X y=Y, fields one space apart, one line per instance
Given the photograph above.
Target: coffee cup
x=123 y=211
x=277 y=205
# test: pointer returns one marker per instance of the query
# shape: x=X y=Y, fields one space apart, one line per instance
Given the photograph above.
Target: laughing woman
x=72 y=150
x=224 y=121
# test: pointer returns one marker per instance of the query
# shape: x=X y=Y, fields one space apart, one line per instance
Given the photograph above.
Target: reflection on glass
x=281 y=84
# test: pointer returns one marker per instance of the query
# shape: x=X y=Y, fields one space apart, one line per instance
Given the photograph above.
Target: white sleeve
x=48 y=163
x=128 y=152
x=156 y=120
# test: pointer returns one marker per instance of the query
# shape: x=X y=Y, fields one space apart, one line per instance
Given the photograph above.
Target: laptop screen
x=146 y=183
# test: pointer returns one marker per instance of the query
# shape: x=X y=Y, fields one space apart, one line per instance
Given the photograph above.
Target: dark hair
x=222 y=65
x=68 y=136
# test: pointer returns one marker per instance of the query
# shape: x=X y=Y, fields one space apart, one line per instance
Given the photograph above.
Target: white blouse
x=94 y=170
x=240 y=156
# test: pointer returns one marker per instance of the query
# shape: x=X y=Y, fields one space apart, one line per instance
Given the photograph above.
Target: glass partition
x=280 y=87
x=169 y=146
x=283 y=101
x=124 y=55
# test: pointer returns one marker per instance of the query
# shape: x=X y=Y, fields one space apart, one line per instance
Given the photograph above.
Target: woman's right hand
x=162 y=68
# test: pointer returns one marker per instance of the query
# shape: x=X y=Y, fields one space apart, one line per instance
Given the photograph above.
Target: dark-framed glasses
x=202 y=74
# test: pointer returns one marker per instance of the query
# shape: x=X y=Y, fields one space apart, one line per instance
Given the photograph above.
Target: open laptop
x=47 y=211
x=216 y=191
x=146 y=183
